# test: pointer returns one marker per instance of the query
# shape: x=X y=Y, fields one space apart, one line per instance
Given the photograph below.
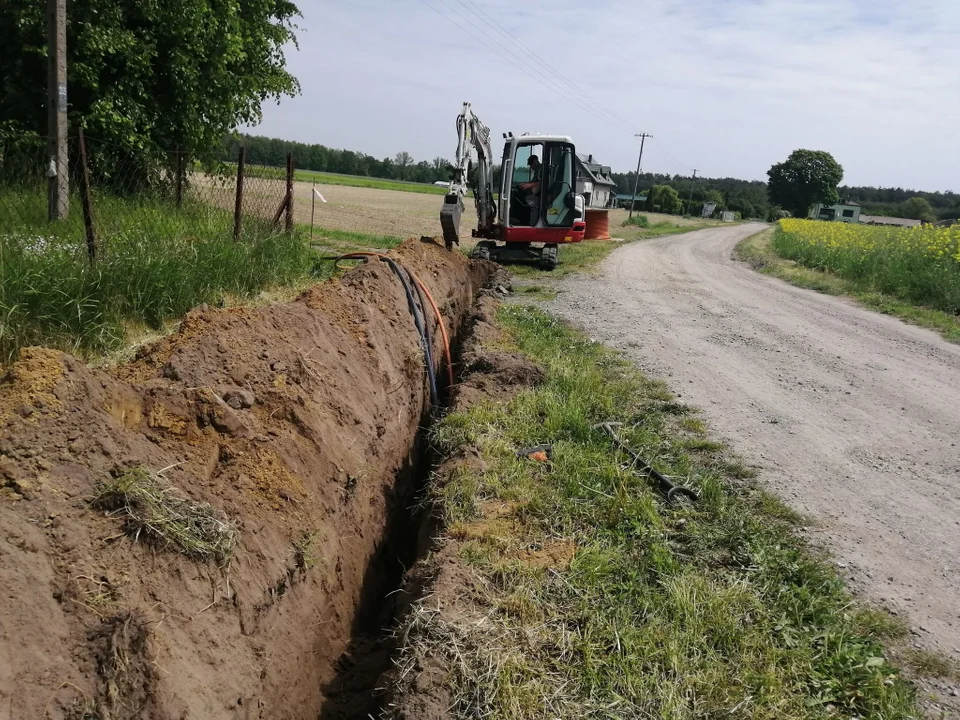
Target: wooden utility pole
x=690 y=201
x=58 y=174
x=636 y=183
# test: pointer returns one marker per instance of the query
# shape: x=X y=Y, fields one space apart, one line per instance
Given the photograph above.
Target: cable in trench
x=415 y=289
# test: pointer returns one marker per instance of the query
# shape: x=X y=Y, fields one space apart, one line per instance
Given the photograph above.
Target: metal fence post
x=238 y=208
x=289 y=223
x=87 y=199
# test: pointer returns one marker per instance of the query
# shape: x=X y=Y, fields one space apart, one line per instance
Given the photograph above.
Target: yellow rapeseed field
x=920 y=264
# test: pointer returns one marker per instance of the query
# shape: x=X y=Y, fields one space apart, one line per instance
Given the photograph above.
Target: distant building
x=708 y=209
x=892 y=221
x=594 y=182
x=622 y=200
x=843 y=211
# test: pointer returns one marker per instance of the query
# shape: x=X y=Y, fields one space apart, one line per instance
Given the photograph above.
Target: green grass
x=326 y=178
x=156 y=263
x=759 y=251
x=932 y=664
x=361 y=181
x=638 y=220
x=346 y=240
x=712 y=611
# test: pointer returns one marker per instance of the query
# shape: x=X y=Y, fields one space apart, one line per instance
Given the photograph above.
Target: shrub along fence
x=135 y=237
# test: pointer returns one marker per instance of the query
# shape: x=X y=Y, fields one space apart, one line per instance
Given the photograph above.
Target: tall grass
x=920 y=265
x=156 y=262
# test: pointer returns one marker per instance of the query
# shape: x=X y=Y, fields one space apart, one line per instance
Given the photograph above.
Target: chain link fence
x=115 y=196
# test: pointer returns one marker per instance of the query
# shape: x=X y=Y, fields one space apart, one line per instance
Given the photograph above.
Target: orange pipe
x=443 y=328
x=436 y=310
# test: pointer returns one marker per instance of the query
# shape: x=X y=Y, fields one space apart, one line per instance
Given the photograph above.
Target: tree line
x=273 y=152
x=750 y=198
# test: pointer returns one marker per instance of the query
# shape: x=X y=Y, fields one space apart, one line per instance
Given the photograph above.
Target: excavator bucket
x=450 y=219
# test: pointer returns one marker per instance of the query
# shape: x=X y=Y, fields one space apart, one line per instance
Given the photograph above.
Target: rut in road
x=853 y=417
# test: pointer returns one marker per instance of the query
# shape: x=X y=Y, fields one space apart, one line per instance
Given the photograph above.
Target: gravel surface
x=853 y=417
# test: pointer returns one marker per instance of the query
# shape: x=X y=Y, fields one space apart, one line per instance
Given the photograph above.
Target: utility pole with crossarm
x=636 y=182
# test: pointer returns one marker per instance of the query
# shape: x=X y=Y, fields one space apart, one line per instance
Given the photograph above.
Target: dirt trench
x=300 y=427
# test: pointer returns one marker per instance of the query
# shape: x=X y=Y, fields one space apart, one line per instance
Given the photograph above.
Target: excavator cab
x=541 y=186
x=539 y=207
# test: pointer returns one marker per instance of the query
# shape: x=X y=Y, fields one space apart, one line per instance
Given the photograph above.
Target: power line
x=518 y=62
x=536 y=58
x=513 y=60
x=671 y=155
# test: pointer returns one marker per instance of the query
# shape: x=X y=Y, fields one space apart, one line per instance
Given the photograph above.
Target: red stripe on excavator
x=559 y=236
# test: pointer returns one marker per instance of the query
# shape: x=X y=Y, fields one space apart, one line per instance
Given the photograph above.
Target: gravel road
x=853 y=417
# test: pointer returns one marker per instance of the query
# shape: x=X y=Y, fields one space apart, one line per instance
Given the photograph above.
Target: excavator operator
x=531 y=189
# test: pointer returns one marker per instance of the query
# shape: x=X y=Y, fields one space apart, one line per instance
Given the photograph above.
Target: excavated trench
x=303 y=426
x=354 y=692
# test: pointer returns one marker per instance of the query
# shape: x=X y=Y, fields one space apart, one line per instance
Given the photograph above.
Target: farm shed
x=623 y=200
x=594 y=182
x=844 y=211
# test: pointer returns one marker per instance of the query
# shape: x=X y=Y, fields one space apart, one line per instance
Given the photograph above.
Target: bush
x=639 y=220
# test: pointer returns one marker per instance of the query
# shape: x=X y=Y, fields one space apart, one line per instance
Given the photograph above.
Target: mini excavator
x=539 y=208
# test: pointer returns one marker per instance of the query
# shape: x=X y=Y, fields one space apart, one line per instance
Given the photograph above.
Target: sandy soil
x=852 y=416
x=379 y=212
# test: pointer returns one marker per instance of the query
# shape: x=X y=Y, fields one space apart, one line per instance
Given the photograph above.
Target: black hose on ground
x=672 y=492
x=419 y=318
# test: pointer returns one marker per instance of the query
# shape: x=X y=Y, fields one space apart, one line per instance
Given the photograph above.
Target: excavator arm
x=473 y=146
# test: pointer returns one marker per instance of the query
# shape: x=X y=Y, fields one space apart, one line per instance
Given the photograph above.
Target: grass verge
x=758 y=251
x=595 y=598
x=347 y=240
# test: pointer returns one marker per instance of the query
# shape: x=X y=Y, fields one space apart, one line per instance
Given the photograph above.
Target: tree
x=147 y=77
x=440 y=166
x=805 y=178
x=918 y=208
x=403 y=160
x=663 y=198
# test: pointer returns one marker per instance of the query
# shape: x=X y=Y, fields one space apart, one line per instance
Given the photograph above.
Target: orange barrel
x=598 y=224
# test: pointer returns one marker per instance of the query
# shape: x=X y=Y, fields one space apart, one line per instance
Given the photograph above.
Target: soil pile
x=195 y=534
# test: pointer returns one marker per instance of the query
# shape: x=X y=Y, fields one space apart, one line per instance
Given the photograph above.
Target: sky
x=728 y=87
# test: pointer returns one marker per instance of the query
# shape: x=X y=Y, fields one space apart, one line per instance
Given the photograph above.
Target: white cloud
x=729 y=87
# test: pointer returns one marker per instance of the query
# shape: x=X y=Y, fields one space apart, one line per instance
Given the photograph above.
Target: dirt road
x=852 y=416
